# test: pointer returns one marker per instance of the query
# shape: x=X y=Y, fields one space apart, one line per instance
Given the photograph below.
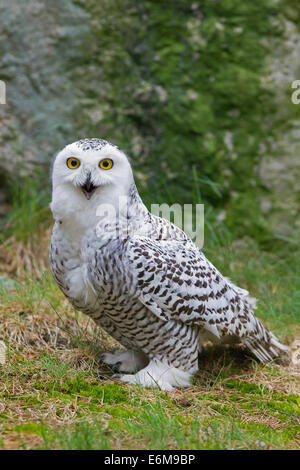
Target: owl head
x=87 y=173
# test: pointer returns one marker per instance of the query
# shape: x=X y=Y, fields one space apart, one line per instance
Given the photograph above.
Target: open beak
x=88 y=188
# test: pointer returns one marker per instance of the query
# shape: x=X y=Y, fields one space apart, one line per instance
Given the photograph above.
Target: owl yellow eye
x=106 y=164
x=73 y=163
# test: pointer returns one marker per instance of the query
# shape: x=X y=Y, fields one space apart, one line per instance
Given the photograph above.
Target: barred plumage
x=139 y=276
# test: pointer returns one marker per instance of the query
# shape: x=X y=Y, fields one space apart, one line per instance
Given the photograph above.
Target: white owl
x=139 y=276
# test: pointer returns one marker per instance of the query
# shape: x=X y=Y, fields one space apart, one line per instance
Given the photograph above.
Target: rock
x=37 y=62
x=7 y=284
x=279 y=170
x=162 y=91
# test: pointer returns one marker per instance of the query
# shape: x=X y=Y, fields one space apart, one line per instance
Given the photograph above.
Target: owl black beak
x=88 y=188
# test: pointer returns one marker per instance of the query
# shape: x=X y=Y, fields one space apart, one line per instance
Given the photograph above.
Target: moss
x=31 y=428
x=119 y=411
x=246 y=387
x=108 y=393
x=273 y=436
x=223 y=409
x=293 y=398
x=285 y=407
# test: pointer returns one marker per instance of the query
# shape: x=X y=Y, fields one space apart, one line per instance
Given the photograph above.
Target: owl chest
x=90 y=278
x=71 y=274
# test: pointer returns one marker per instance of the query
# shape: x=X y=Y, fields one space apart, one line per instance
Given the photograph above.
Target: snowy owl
x=139 y=276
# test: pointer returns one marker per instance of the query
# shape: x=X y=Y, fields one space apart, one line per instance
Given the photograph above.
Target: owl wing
x=176 y=281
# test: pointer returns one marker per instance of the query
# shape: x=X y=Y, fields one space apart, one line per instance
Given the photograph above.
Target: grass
x=55 y=395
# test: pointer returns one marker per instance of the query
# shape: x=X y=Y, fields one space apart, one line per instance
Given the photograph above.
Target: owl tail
x=263 y=344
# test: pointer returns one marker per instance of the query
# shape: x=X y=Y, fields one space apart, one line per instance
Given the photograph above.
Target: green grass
x=54 y=394
x=98 y=415
x=29 y=203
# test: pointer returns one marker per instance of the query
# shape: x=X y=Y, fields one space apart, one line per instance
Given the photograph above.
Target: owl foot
x=125 y=361
x=158 y=374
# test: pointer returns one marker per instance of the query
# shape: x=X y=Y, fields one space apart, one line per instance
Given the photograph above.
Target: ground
x=55 y=394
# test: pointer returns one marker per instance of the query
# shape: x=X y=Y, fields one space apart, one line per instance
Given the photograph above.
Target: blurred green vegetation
x=183 y=91
x=183 y=87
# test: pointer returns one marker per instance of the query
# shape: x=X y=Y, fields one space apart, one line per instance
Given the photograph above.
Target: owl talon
x=158 y=374
x=101 y=358
x=115 y=367
x=124 y=361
